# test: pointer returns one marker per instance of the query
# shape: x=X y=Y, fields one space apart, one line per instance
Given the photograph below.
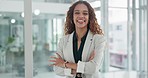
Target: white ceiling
x=8 y=11
x=55 y=1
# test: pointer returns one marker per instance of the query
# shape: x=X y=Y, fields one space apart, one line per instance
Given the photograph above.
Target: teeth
x=80 y=20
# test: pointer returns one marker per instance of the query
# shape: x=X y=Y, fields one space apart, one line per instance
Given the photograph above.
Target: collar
x=83 y=38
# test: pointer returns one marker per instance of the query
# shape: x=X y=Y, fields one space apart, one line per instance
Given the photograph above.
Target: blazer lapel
x=86 y=48
x=87 y=45
x=70 y=47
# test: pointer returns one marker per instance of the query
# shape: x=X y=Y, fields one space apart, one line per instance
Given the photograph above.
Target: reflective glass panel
x=12 y=39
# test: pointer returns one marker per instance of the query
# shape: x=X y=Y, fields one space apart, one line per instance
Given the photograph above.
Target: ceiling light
x=37 y=12
x=22 y=14
x=13 y=20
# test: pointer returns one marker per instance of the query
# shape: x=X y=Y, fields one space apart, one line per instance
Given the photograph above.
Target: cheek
x=74 y=19
x=87 y=19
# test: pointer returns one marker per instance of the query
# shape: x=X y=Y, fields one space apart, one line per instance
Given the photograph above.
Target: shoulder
x=98 y=37
x=64 y=38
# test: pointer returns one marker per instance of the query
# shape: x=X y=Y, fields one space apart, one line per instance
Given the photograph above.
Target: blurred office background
x=123 y=21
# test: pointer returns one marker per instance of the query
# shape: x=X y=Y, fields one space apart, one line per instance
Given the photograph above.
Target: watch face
x=78 y=75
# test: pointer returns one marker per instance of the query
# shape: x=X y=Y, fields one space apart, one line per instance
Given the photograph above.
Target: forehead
x=81 y=7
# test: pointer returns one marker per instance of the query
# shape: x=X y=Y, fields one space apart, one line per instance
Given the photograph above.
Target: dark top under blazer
x=78 y=52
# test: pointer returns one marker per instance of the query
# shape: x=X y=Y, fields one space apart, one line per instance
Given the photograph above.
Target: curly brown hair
x=92 y=24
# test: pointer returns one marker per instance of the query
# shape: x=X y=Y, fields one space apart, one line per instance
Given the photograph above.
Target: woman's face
x=81 y=16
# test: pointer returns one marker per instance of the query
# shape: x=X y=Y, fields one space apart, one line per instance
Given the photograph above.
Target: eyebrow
x=83 y=10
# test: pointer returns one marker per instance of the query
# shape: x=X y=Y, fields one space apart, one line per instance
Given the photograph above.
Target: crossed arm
x=58 y=61
x=90 y=67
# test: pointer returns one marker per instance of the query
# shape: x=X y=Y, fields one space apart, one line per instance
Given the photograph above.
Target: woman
x=80 y=51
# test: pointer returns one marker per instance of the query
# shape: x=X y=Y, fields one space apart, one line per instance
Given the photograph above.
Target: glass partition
x=47 y=30
x=118 y=38
x=11 y=40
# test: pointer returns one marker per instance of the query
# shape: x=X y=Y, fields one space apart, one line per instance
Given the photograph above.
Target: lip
x=80 y=21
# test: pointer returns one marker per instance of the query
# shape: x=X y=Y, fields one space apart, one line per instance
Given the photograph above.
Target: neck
x=80 y=33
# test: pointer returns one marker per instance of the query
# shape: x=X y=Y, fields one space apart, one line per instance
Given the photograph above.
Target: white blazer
x=89 y=69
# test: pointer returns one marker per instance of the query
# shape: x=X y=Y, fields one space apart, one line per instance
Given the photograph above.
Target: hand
x=92 y=55
x=73 y=71
x=57 y=61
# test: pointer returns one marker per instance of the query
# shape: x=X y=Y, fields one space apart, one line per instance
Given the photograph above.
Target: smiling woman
x=80 y=16
x=80 y=51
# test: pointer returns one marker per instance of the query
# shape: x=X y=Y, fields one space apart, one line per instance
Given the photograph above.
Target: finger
x=53 y=57
x=58 y=55
x=93 y=53
x=52 y=60
x=90 y=58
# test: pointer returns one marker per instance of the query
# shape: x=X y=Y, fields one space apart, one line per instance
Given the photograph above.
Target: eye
x=77 y=13
x=85 y=13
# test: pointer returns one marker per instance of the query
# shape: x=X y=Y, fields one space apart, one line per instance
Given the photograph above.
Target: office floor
x=121 y=74
x=113 y=74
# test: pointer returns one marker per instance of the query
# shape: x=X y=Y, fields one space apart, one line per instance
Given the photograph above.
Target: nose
x=81 y=15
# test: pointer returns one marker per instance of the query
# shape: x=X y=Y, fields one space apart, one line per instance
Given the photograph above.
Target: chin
x=81 y=27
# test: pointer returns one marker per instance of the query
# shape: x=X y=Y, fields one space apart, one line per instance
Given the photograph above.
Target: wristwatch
x=78 y=75
x=65 y=64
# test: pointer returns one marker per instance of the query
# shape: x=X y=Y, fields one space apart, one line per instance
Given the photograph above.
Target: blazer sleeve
x=94 y=65
x=60 y=70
